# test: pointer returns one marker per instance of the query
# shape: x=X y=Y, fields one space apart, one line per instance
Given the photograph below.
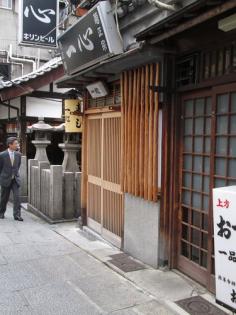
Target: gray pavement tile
x=55 y=248
x=126 y=311
x=91 y=264
x=112 y=292
x=3 y=260
x=20 y=252
x=5 y=239
x=7 y=226
x=38 y=235
x=59 y=299
x=13 y=303
x=9 y=280
x=50 y=269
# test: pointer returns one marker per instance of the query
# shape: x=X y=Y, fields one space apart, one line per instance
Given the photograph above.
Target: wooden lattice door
x=208 y=160
x=104 y=196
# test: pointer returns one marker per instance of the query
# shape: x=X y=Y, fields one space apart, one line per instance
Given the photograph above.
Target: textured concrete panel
x=31 y=163
x=69 y=204
x=24 y=178
x=78 y=194
x=56 y=204
x=141 y=229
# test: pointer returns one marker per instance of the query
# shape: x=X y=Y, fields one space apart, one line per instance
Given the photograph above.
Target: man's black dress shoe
x=18 y=218
x=2 y=216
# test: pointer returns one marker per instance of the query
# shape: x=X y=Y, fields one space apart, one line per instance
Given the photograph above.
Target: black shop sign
x=89 y=40
x=38 y=22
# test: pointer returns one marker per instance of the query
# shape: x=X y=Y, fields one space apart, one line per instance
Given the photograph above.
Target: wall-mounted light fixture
x=97 y=89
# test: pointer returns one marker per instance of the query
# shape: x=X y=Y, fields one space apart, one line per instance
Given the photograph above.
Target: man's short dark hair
x=11 y=140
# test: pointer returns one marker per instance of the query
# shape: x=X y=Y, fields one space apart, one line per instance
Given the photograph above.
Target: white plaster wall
x=36 y=107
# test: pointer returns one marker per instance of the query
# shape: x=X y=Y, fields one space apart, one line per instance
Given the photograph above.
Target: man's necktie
x=12 y=158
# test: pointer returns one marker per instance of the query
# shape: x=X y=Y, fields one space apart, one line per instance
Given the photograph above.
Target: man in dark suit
x=10 y=161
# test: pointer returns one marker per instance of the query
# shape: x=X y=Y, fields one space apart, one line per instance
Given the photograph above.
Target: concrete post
x=70 y=161
x=56 y=198
x=78 y=194
x=42 y=165
x=24 y=179
x=69 y=204
x=31 y=163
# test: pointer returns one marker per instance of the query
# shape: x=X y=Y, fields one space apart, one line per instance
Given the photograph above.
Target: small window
x=187 y=70
x=6 y=4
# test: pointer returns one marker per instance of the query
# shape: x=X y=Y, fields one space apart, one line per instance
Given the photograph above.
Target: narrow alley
x=59 y=269
x=43 y=273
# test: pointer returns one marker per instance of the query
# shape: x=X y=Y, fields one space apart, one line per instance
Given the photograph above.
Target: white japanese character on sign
x=42 y=39
x=100 y=32
x=104 y=45
x=71 y=50
x=37 y=38
x=26 y=36
x=83 y=42
x=87 y=43
x=51 y=40
x=41 y=16
x=96 y=18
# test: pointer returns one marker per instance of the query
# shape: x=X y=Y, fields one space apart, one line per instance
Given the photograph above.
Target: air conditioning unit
x=5 y=71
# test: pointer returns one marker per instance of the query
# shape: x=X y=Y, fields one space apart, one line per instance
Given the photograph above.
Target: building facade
x=200 y=130
x=163 y=137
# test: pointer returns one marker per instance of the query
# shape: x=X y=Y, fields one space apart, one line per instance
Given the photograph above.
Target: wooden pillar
x=22 y=126
x=83 y=218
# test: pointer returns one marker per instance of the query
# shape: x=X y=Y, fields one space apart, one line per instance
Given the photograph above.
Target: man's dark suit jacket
x=7 y=171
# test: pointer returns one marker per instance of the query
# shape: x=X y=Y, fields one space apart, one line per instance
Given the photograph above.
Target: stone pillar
x=42 y=165
x=69 y=201
x=23 y=176
x=41 y=154
x=70 y=161
x=56 y=193
x=31 y=163
x=78 y=194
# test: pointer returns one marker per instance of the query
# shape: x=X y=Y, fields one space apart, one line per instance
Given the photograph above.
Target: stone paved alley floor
x=57 y=269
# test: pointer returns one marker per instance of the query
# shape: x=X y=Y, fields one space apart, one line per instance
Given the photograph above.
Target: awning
x=111 y=68
x=186 y=18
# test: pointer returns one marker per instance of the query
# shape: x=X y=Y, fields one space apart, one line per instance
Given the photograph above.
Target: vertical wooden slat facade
x=140 y=132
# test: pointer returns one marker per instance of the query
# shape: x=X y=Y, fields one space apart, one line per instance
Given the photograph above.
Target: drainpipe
x=14 y=63
x=21 y=59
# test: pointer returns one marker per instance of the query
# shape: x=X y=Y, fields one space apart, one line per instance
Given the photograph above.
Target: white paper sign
x=224 y=211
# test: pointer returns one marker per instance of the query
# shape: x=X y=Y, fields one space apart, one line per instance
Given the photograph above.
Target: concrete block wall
x=53 y=194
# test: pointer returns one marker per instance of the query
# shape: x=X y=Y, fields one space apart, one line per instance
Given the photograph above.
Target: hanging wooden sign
x=73 y=117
